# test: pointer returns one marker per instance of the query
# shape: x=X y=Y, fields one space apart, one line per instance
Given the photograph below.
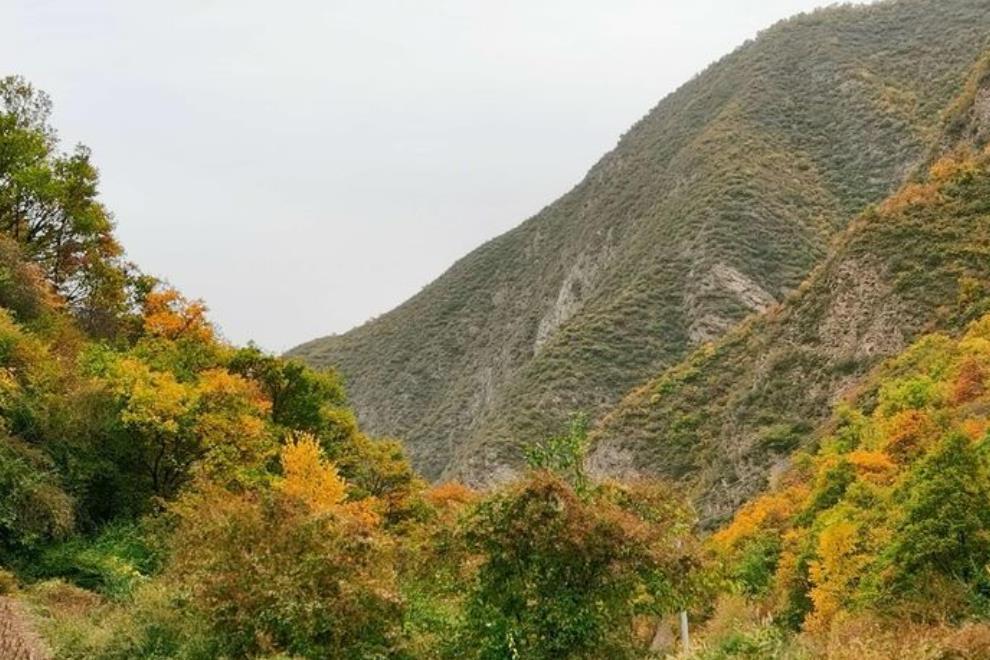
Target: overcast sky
x=305 y=165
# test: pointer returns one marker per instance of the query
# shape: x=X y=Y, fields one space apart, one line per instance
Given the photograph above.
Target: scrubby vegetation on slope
x=721 y=419
x=878 y=542
x=714 y=205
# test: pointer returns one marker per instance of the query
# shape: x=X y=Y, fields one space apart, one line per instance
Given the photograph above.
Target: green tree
x=49 y=205
x=564 y=454
x=563 y=576
x=302 y=399
x=945 y=527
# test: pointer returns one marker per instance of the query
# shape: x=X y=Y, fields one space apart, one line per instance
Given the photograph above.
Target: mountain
x=716 y=205
x=726 y=417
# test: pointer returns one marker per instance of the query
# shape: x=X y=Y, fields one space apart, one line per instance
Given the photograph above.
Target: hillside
x=715 y=205
x=918 y=262
x=878 y=538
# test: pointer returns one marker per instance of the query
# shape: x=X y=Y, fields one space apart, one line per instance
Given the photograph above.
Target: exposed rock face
x=579 y=281
x=725 y=281
x=865 y=318
x=610 y=459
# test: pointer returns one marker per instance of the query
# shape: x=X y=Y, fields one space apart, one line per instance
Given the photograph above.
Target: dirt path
x=17 y=640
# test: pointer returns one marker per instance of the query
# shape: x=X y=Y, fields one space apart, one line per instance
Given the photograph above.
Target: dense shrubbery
x=567 y=566
x=34 y=510
x=889 y=519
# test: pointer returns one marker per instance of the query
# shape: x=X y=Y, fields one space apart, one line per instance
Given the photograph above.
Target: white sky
x=304 y=165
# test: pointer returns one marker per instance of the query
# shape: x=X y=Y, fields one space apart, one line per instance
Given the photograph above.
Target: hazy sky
x=305 y=165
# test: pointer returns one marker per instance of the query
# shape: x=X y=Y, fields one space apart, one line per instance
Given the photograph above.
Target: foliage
x=269 y=575
x=162 y=427
x=564 y=454
x=895 y=524
x=114 y=562
x=308 y=477
x=49 y=206
x=33 y=507
x=564 y=576
x=169 y=315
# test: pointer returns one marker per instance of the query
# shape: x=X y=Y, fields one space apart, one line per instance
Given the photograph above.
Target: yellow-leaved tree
x=168 y=314
x=309 y=477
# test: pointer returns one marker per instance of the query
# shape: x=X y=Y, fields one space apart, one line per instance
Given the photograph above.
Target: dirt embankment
x=17 y=639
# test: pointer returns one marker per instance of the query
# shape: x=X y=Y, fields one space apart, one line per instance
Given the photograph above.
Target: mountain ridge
x=715 y=205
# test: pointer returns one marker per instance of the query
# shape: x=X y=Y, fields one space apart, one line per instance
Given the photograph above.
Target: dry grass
x=868 y=638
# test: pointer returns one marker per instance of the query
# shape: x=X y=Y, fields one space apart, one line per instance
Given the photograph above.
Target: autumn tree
x=167 y=314
x=308 y=477
x=565 y=566
x=945 y=527
x=49 y=205
x=161 y=427
x=295 y=571
x=301 y=398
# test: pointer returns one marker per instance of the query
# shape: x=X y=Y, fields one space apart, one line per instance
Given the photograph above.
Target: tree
x=155 y=413
x=564 y=454
x=169 y=315
x=229 y=420
x=49 y=205
x=286 y=572
x=161 y=427
x=945 y=526
x=378 y=468
x=563 y=576
x=308 y=477
x=302 y=399
x=564 y=566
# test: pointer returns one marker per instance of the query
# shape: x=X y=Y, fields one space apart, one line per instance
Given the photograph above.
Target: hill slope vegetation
x=915 y=263
x=714 y=206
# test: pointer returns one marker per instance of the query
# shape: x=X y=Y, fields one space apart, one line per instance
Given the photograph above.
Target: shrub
x=8 y=582
x=33 y=507
x=562 y=575
x=269 y=574
x=112 y=563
